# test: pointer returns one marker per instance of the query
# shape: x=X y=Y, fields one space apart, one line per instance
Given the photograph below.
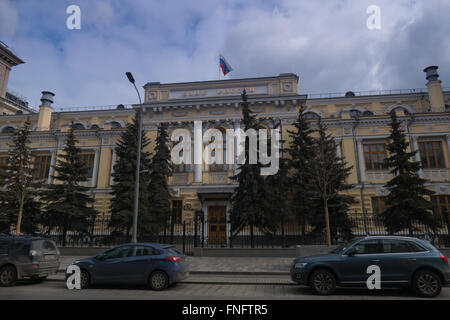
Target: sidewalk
x=221 y=270
x=222 y=265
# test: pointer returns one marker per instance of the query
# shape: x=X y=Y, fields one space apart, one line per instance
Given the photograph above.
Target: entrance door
x=217 y=225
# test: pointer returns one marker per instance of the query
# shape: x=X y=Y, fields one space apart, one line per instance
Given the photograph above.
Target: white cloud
x=8 y=18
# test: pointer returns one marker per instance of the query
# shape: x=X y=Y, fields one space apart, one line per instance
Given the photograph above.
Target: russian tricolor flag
x=224 y=65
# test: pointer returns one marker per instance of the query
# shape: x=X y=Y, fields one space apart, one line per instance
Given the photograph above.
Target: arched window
x=116 y=125
x=405 y=111
x=311 y=116
x=8 y=129
x=95 y=127
x=78 y=126
x=367 y=113
x=355 y=113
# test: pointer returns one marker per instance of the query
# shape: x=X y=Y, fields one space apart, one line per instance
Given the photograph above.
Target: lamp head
x=130 y=77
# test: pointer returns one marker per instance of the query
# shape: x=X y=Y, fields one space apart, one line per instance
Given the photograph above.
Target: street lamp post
x=138 y=162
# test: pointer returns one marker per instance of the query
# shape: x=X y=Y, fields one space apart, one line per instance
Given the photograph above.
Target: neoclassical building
x=358 y=121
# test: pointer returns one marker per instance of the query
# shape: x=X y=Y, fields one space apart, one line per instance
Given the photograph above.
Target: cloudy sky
x=326 y=42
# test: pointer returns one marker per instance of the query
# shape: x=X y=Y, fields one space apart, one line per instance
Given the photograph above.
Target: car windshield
x=341 y=248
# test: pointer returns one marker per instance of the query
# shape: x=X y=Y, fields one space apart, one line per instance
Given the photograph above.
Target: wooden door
x=217 y=221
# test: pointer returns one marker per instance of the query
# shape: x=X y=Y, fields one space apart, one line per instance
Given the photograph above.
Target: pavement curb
x=260 y=273
x=218 y=282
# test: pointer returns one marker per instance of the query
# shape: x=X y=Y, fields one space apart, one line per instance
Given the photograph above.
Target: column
x=414 y=147
x=362 y=169
x=237 y=146
x=448 y=144
x=95 y=173
x=52 y=167
x=113 y=162
x=198 y=151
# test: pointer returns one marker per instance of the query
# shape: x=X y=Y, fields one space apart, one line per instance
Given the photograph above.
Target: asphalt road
x=56 y=290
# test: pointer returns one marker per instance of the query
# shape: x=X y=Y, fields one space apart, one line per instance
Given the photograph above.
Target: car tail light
x=174 y=259
x=444 y=258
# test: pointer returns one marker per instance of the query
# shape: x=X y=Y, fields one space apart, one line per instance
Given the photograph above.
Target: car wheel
x=427 y=284
x=8 y=276
x=85 y=279
x=158 y=280
x=323 y=282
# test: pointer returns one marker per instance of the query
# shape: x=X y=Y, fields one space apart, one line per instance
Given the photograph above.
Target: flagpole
x=219 y=65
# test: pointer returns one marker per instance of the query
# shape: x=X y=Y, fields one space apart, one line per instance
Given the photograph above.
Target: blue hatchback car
x=156 y=265
x=402 y=261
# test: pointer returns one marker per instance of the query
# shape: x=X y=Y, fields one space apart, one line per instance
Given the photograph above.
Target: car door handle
x=412 y=259
x=375 y=260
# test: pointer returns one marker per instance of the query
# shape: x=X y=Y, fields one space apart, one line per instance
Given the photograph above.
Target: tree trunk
x=19 y=217
x=252 y=240
x=327 y=222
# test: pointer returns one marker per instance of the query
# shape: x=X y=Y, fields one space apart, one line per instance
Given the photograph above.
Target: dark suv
x=403 y=261
x=26 y=257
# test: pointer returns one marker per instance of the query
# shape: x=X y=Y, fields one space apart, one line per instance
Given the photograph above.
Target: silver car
x=26 y=257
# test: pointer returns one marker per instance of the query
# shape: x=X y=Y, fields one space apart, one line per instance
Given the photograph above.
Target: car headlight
x=300 y=265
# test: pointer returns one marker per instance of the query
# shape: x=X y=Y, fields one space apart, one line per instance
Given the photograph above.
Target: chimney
x=435 y=94
x=45 y=111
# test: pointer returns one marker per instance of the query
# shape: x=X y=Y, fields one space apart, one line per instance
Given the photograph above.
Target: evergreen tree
x=18 y=189
x=301 y=154
x=160 y=171
x=330 y=173
x=124 y=177
x=405 y=203
x=249 y=201
x=277 y=201
x=68 y=205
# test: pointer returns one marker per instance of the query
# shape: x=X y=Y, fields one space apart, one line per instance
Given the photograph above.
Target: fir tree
x=249 y=203
x=330 y=173
x=124 y=177
x=301 y=154
x=405 y=203
x=160 y=171
x=277 y=200
x=68 y=204
x=17 y=195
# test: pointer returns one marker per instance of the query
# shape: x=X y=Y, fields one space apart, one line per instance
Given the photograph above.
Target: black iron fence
x=198 y=233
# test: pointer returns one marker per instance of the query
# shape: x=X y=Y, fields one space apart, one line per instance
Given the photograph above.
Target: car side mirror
x=351 y=252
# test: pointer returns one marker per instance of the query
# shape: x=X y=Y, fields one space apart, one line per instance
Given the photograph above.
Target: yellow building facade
x=359 y=122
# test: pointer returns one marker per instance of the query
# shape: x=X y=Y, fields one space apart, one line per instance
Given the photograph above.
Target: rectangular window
x=431 y=154
x=41 y=166
x=3 y=162
x=88 y=160
x=179 y=168
x=441 y=206
x=374 y=155
x=378 y=205
x=177 y=210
